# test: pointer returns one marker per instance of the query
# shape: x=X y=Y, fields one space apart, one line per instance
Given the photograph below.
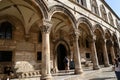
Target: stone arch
x=114 y=37
x=11 y=19
x=99 y=33
x=98 y=27
x=103 y=13
x=85 y=21
x=57 y=53
x=86 y=35
x=43 y=8
x=94 y=7
x=111 y=20
x=108 y=34
x=59 y=8
x=14 y=21
x=36 y=11
x=61 y=41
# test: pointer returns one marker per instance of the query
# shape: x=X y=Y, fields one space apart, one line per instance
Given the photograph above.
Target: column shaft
x=46 y=75
x=112 y=53
x=106 y=60
x=77 y=60
x=94 y=56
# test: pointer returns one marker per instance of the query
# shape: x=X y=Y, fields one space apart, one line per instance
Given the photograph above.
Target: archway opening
x=99 y=48
x=61 y=53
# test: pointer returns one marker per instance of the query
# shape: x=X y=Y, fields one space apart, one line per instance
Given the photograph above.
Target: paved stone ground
x=88 y=74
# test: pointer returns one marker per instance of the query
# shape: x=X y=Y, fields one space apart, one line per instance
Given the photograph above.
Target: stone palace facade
x=36 y=35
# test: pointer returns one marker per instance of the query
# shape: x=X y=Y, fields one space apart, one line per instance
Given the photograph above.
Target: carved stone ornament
x=46 y=27
x=76 y=33
x=92 y=38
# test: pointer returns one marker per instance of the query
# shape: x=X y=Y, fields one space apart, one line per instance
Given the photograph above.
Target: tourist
x=117 y=68
x=66 y=63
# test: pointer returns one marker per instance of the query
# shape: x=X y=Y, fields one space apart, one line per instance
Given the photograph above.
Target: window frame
x=6 y=30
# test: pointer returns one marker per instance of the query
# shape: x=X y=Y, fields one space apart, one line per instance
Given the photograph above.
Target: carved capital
x=91 y=38
x=76 y=33
x=104 y=41
x=46 y=27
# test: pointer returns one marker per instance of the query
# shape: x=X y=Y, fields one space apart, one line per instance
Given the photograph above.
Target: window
x=103 y=13
x=94 y=7
x=87 y=55
x=39 y=56
x=5 y=30
x=5 y=56
x=40 y=37
x=111 y=19
x=82 y=2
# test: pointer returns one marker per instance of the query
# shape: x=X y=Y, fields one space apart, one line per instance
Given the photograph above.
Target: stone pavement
x=88 y=74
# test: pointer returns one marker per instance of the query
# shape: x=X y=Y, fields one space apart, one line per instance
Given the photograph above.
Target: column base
x=96 y=67
x=107 y=65
x=78 y=71
x=46 y=77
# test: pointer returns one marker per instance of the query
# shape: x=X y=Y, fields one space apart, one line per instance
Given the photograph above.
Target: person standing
x=117 y=68
x=66 y=63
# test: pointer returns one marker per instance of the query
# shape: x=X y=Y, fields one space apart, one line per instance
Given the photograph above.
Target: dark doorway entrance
x=61 y=53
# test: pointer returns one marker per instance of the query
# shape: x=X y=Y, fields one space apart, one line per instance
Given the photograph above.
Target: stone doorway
x=61 y=53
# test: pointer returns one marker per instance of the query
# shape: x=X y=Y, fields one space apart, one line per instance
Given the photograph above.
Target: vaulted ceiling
x=24 y=10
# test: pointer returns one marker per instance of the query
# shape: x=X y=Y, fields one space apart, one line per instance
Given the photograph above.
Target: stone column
x=94 y=54
x=112 y=52
x=106 y=60
x=77 y=60
x=46 y=75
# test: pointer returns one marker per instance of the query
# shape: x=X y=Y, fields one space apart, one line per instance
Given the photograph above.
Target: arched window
x=5 y=30
x=94 y=7
x=82 y=2
x=111 y=19
x=103 y=13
